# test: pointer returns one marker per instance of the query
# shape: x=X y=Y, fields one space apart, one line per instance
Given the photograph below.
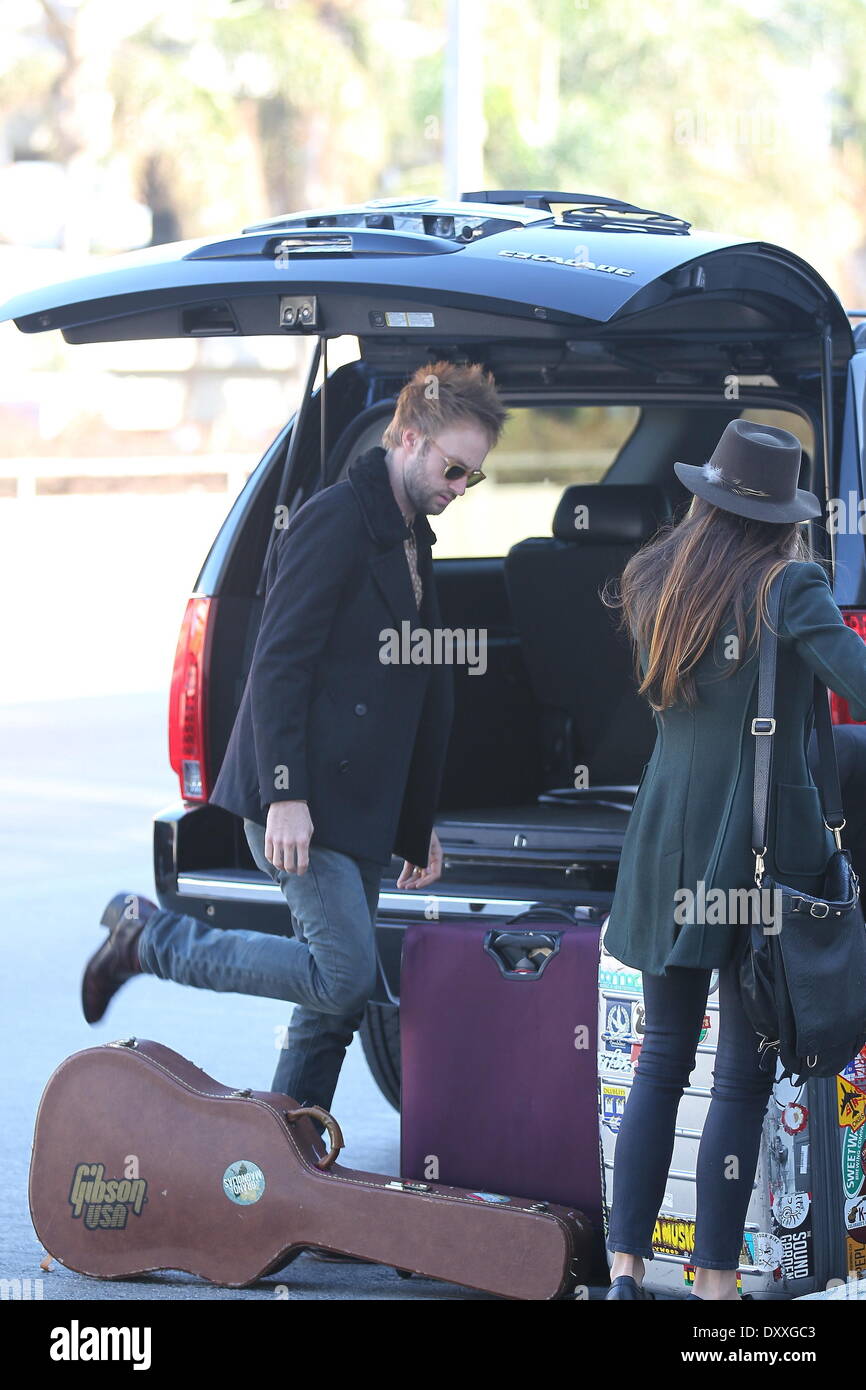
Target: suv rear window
x=542 y=450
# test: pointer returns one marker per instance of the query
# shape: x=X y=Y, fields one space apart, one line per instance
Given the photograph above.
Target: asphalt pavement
x=94 y=592
x=80 y=781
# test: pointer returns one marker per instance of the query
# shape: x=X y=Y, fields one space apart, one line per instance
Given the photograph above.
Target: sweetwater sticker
x=853 y=1170
x=489 y=1197
x=243 y=1182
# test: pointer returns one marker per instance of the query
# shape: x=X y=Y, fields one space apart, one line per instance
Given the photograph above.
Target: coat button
x=360 y=709
x=343 y=766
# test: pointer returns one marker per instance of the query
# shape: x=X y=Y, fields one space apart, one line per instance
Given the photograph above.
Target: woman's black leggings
x=675 y=1004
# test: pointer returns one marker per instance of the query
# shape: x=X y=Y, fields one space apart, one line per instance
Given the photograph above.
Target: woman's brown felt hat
x=753 y=472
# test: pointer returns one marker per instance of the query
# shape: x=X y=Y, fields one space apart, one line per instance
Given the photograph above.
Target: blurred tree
x=747 y=117
x=262 y=108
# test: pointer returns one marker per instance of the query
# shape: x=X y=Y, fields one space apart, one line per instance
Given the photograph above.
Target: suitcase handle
x=574 y=915
x=507 y=938
x=335 y=1134
x=524 y=945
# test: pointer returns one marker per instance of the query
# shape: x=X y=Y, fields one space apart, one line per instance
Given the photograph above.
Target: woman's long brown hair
x=676 y=589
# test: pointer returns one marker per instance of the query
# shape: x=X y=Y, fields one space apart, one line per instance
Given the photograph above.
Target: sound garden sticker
x=243 y=1182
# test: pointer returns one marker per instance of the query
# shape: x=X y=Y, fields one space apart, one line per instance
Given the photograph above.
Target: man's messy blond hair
x=440 y=394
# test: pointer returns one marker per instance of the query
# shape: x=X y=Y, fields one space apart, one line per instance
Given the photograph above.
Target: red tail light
x=840 y=712
x=187 y=745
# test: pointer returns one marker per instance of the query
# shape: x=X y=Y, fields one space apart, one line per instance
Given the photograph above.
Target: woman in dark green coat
x=687 y=598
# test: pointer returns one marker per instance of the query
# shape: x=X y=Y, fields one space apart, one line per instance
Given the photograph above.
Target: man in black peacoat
x=345 y=718
x=323 y=718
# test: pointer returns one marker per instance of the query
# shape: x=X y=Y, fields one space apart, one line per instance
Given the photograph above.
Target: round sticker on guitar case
x=243 y=1182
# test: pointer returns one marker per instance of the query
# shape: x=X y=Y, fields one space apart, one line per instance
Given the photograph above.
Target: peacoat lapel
x=368 y=476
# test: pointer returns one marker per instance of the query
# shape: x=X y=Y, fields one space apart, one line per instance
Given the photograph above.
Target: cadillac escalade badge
x=566 y=260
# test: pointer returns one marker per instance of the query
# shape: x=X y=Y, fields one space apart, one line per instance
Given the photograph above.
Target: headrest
x=611 y=514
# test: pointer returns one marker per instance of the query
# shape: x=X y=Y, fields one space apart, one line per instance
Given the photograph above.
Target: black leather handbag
x=802 y=972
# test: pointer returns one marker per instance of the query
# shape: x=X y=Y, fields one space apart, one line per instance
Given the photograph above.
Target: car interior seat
x=580 y=665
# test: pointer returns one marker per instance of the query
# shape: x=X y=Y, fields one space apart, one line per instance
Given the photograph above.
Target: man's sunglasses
x=454 y=470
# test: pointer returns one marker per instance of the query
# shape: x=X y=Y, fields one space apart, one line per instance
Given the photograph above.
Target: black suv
x=621 y=340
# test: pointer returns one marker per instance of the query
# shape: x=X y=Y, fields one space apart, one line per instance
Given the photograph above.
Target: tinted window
x=542 y=450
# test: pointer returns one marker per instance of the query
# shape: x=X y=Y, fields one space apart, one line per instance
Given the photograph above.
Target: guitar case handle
x=335 y=1134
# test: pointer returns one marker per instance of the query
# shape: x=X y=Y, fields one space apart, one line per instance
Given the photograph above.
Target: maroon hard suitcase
x=498 y=1049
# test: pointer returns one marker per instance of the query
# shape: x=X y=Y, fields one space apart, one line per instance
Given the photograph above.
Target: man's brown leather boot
x=116 y=960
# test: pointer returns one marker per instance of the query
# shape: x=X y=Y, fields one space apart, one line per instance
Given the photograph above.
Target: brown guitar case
x=143 y=1162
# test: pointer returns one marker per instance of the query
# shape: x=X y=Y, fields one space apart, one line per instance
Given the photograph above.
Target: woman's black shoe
x=624 y=1286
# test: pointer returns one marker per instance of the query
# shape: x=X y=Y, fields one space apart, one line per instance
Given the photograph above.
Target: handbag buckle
x=759 y=865
x=814 y=906
x=765 y=720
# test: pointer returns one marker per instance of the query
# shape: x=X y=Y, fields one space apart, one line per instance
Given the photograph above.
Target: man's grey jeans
x=327 y=969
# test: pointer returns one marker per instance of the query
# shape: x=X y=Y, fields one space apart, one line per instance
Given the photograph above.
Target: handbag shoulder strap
x=764 y=727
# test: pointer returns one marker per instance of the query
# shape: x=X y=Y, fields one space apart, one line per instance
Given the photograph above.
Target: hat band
x=745 y=491
x=740 y=488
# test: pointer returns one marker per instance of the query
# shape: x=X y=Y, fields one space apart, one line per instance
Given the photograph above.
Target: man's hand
x=287 y=835
x=415 y=877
